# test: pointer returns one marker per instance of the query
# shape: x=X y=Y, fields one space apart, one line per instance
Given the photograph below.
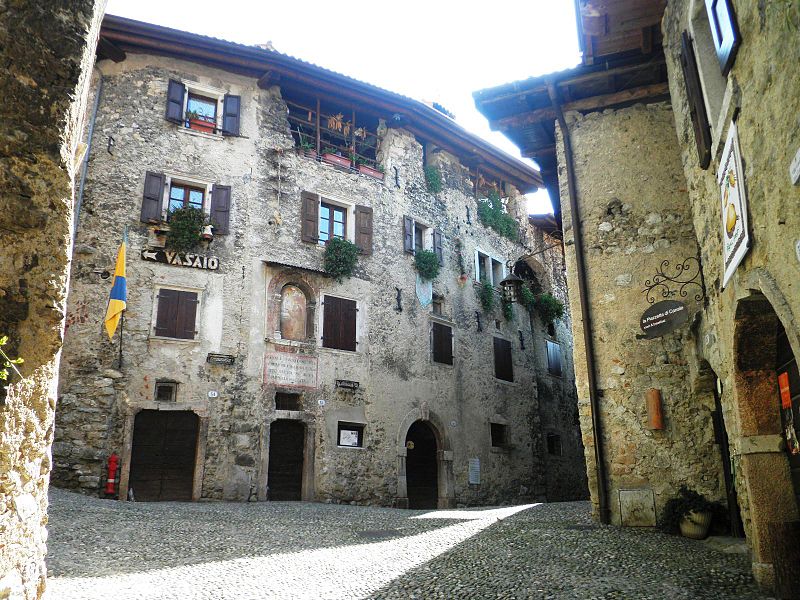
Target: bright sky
x=428 y=50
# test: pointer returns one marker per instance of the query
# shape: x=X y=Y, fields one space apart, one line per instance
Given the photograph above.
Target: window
x=503 y=365
x=551 y=330
x=166 y=391
x=498 y=435
x=332 y=222
x=417 y=236
x=339 y=323
x=176 y=314
x=350 y=435
x=287 y=401
x=442 y=343
x=553 y=358
x=198 y=107
x=437 y=305
x=158 y=203
x=488 y=269
x=554 y=444
x=185 y=196
x=294 y=306
x=322 y=219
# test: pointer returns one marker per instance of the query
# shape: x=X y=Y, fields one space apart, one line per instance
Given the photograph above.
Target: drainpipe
x=79 y=199
x=586 y=315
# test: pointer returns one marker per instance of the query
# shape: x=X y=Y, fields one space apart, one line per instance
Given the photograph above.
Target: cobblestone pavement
x=105 y=549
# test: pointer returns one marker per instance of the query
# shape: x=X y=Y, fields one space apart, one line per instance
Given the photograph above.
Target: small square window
x=498 y=434
x=350 y=435
x=332 y=222
x=201 y=113
x=288 y=401
x=437 y=305
x=184 y=196
x=554 y=444
x=166 y=391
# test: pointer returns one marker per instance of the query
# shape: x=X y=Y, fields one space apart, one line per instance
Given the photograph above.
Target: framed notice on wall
x=730 y=179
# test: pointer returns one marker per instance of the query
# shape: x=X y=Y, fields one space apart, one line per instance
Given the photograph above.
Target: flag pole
x=122 y=316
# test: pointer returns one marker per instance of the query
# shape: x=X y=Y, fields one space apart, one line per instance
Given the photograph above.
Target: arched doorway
x=163 y=455
x=285 y=471
x=422 y=466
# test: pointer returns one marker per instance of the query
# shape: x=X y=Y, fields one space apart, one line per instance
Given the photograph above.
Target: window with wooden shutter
x=553 y=358
x=363 y=216
x=724 y=31
x=408 y=234
x=153 y=197
x=339 y=323
x=176 y=314
x=309 y=217
x=175 y=94
x=437 y=246
x=697 y=108
x=503 y=367
x=442 y=342
x=231 y=108
x=220 y=208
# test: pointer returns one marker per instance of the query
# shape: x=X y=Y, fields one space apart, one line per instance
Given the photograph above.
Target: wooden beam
x=522 y=119
x=269 y=79
x=108 y=49
x=540 y=152
x=647 y=40
x=520 y=93
x=606 y=100
x=596 y=75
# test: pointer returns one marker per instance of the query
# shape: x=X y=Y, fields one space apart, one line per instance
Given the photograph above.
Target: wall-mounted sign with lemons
x=730 y=208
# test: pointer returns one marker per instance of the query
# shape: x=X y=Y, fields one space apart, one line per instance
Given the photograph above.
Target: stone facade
x=240 y=312
x=47 y=55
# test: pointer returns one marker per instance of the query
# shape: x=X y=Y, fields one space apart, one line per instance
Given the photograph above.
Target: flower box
x=364 y=169
x=335 y=159
x=202 y=125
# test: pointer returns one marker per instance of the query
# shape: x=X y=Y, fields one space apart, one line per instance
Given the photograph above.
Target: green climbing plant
x=340 y=258
x=486 y=296
x=508 y=310
x=185 y=226
x=549 y=307
x=527 y=298
x=492 y=214
x=433 y=179
x=427 y=264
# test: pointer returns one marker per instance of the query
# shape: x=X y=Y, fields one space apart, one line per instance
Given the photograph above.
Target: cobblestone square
x=105 y=549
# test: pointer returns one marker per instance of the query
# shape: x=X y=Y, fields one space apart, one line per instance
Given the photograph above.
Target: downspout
x=586 y=315
x=88 y=153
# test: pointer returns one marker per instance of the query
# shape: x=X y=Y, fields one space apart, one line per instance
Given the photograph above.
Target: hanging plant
x=185 y=226
x=492 y=214
x=527 y=298
x=340 y=258
x=486 y=295
x=508 y=310
x=427 y=264
x=549 y=308
x=433 y=179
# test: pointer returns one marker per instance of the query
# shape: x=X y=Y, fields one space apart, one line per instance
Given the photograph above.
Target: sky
x=428 y=50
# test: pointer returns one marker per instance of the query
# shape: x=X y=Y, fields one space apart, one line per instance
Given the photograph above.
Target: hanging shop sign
x=346 y=384
x=290 y=370
x=730 y=178
x=663 y=317
x=180 y=259
x=220 y=359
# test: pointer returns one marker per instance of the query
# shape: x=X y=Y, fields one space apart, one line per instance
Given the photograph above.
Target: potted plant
x=340 y=258
x=186 y=228
x=308 y=148
x=690 y=513
x=427 y=264
x=200 y=122
x=334 y=157
x=376 y=171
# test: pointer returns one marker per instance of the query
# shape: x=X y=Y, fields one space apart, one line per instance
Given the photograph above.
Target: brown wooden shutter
x=220 y=208
x=231 y=107
x=363 y=216
x=437 y=246
x=153 y=197
x=167 y=313
x=408 y=234
x=187 y=315
x=348 y=322
x=442 y=344
x=339 y=323
x=724 y=32
x=309 y=217
x=697 y=108
x=330 y=322
x=503 y=366
x=175 y=93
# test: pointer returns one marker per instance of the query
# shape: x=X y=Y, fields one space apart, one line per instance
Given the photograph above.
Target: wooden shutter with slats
x=408 y=234
x=442 y=344
x=503 y=366
x=363 y=215
x=339 y=323
x=231 y=107
x=437 y=246
x=697 y=107
x=187 y=315
x=309 y=217
x=220 y=208
x=175 y=94
x=167 y=313
x=153 y=197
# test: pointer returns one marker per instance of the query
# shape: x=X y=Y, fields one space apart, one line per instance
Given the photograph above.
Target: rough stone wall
x=634 y=215
x=762 y=92
x=239 y=305
x=47 y=54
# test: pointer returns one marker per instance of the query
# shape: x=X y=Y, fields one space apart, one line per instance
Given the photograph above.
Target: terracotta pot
x=337 y=160
x=370 y=171
x=695 y=525
x=202 y=125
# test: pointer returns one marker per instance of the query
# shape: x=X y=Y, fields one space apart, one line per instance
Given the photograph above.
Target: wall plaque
x=290 y=370
x=179 y=259
x=663 y=317
x=474 y=471
x=730 y=178
x=346 y=384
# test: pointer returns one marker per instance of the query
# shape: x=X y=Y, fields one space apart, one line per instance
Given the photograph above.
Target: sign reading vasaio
x=179 y=259
x=663 y=317
x=730 y=178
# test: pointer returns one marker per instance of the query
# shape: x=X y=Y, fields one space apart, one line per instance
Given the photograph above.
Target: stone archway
x=444 y=458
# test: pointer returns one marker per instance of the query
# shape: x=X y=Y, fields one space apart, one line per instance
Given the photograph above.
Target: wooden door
x=285 y=473
x=422 y=466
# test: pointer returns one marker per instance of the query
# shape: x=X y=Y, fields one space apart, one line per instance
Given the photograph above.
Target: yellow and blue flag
x=118 y=298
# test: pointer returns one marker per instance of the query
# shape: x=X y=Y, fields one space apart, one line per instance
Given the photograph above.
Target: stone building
x=244 y=371
x=703 y=220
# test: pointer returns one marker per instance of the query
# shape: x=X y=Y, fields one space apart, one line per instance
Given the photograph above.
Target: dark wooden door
x=285 y=473
x=163 y=455
x=422 y=468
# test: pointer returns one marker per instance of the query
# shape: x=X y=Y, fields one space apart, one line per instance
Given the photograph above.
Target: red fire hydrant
x=113 y=462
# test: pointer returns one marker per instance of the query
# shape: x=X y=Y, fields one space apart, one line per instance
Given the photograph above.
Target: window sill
x=338 y=447
x=500 y=449
x=504 y=382
x=339 y=351
x=441 y=364
x=194 y=132
x=169 y=340
x=291 y=343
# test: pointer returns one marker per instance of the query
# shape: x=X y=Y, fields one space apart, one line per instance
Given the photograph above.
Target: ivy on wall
x=492 y=214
